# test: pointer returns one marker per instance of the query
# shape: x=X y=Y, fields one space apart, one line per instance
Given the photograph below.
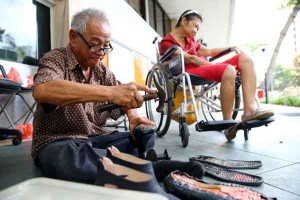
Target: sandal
x=258 y=114
x=230 y=133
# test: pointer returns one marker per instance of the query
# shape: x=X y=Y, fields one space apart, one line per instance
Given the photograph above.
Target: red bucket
x=260 y=93
x=26 y=130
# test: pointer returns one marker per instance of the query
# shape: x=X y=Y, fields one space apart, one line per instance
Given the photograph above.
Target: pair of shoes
x=230 y=133
x=220 y=169
x=258 y=114
x=188 y=187
x=132 y=173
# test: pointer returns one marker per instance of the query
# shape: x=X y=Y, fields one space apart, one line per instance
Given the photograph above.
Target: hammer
x=161 y=95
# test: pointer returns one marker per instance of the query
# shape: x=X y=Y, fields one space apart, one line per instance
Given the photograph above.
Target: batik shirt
x=79 y=120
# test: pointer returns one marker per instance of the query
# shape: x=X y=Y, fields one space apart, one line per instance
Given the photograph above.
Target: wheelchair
x=198 y=95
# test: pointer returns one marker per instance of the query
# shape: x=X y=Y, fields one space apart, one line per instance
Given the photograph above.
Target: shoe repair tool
x=229 y=164
x=161 y=95
x=231 y=176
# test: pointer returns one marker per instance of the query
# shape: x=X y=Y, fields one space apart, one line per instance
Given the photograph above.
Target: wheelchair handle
x=227 y=51
x=154 y=40
x=161 y=95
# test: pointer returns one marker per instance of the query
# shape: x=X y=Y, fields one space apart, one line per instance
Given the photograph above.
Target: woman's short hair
x=189 y=15
x=80 y=19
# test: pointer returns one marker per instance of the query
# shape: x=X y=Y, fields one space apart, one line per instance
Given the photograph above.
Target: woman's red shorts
x=214 y=72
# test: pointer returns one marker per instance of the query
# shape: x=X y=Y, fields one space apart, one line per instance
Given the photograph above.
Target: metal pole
x=266 y=89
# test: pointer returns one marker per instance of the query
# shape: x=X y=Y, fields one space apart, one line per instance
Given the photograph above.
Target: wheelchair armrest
x=167 y=55
x=223 y=53
x=3 y=71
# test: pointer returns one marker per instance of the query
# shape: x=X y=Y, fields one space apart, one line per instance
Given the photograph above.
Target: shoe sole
x=227 y=163
x=231 y=176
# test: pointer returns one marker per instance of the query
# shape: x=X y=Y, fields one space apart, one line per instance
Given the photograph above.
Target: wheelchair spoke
x=162 y=120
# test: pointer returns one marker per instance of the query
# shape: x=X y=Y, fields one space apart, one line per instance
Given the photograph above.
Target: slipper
x=187 y=187
x=230 y=133
x=229 y=164
x=258 y=114
x=231 y=176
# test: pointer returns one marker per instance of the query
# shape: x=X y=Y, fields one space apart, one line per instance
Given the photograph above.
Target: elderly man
x=70 y=83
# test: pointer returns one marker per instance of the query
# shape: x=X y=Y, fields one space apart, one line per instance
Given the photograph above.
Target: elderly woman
x=225 y=72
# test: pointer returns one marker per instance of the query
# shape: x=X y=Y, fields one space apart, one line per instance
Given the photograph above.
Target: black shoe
x=144 y=139
x=148 y=183
x=188 y=187
x=163 y=168
x=132 y=162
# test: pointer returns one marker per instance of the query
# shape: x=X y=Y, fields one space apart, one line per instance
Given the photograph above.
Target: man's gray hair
x=81 y=18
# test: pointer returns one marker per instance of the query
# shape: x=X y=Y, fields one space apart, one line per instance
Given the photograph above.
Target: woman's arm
x=204 y=51
x=192 y=59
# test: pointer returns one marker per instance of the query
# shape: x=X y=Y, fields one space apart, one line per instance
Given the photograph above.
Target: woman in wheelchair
x=225 y=72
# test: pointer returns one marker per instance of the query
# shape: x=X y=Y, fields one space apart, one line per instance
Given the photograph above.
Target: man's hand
x=135 y=120
x=128 y=95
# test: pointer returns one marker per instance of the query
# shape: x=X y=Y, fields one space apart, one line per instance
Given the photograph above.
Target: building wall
x=217 y=18
x=131 y=36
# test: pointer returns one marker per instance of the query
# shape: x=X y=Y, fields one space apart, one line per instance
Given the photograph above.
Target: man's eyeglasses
x=95 y=49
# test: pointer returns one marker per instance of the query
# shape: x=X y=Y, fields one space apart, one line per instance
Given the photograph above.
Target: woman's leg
x=227 y=92
x=224 y=73
x=248 y=82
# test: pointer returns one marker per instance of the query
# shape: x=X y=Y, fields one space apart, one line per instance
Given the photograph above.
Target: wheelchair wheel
x=162 y=120
x=211 y=104
x=184 y=133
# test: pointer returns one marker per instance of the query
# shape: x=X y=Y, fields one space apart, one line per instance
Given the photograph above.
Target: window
x=137 y=5
x=151 y=13
x=43 y=28
x=167 y=27
x=158 y=18
x=20 y=30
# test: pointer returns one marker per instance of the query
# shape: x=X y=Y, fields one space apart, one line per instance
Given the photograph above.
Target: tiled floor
x=277 y=146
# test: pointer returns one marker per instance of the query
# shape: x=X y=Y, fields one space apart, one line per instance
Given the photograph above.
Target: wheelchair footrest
x=215 y=125
x=224 y=124
x=254 y=123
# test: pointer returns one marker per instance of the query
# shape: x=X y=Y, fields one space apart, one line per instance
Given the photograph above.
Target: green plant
x=282 y=77
x=286 y=101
